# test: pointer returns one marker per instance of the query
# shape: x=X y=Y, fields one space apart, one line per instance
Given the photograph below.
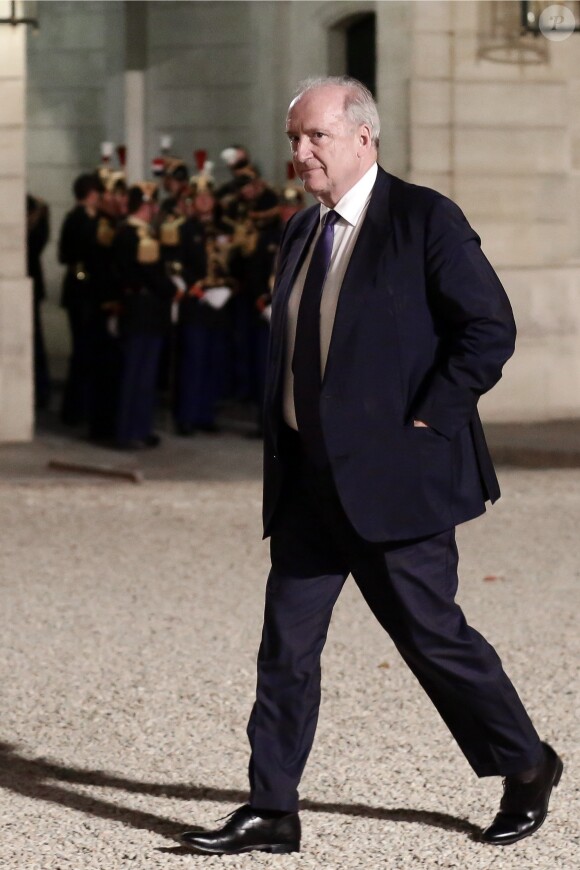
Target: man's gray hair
x=359 y=104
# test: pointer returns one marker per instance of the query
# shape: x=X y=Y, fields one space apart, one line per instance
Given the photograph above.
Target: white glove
x=179 y=283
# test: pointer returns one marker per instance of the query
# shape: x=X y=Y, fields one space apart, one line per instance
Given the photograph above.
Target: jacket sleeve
x=127 y=273
x=472 y=316
x=66 y=241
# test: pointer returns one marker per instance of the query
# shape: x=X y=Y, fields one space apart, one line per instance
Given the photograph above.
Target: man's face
x=151 y=210
x=121 y=202
x=173 y=186
x=107 y=203
x=204 y=203
x=328 y=152
x=93 y=199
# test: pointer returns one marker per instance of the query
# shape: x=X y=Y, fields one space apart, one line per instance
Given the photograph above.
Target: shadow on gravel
x=35 y=778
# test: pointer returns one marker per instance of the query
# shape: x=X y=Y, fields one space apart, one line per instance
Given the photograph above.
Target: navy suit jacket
x=423 y=327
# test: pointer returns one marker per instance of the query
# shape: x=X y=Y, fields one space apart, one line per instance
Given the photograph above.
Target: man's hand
x=418 y=424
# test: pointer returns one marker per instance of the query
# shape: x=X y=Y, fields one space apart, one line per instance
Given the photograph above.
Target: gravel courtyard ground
x=131 y=618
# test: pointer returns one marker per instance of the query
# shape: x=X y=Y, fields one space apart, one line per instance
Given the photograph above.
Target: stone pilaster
x=16 y=391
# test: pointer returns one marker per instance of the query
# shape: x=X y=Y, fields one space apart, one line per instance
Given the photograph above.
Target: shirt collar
x=352 y=204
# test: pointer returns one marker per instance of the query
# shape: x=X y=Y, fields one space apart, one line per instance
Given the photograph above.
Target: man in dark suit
x=388 y=323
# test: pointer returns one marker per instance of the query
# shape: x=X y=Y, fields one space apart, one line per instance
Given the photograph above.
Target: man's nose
x=302 y=149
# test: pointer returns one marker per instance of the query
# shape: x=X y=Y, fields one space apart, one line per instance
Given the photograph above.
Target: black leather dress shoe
x=524 y=805
x=246 y=831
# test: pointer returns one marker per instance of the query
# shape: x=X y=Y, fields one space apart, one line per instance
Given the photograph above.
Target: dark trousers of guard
x=138 y=388
x=410 y=587
x=200 y=374
x=78 y=386
x=106 y=382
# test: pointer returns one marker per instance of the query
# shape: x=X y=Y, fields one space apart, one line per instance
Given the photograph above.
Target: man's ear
x=365 y=139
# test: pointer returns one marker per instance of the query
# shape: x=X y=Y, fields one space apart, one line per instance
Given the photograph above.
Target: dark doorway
x=361 y=52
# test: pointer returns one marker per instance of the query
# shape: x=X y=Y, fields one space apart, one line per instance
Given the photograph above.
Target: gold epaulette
x=169 y=231
x=148 y=250
x=245 y=237
x=105 y=233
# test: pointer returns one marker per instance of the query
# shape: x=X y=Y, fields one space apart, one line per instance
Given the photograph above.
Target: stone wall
x=15 y=289
x=200 y=75
x=75 y=101
x=502 y=139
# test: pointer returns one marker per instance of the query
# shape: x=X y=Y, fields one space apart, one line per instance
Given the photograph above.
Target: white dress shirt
x=352 y=209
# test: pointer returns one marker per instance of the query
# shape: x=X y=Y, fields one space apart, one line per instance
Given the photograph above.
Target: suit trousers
x=410 y=587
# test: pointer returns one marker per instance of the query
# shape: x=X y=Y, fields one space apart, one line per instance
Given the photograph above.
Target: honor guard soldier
x=204 y=312
x=176 y=185
x=238 y=161
x=79 y=251
x=145 y=295
x=204 y=205
x=171 y=215
x=254 y=248
x=201 y=216
x=107 y=368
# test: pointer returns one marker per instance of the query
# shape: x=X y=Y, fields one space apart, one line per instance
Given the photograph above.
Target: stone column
x=16 y=386
x=135 y=88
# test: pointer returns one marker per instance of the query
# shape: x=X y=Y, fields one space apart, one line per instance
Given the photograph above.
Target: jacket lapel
x=370 y=246
x=293 y=253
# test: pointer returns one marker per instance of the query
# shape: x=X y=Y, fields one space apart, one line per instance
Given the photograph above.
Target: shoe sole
x=277 y=849
x=516 y=839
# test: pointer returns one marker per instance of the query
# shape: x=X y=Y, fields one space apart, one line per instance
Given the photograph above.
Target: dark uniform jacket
x=78 y=250
x=197 y=266
x=144 y=288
